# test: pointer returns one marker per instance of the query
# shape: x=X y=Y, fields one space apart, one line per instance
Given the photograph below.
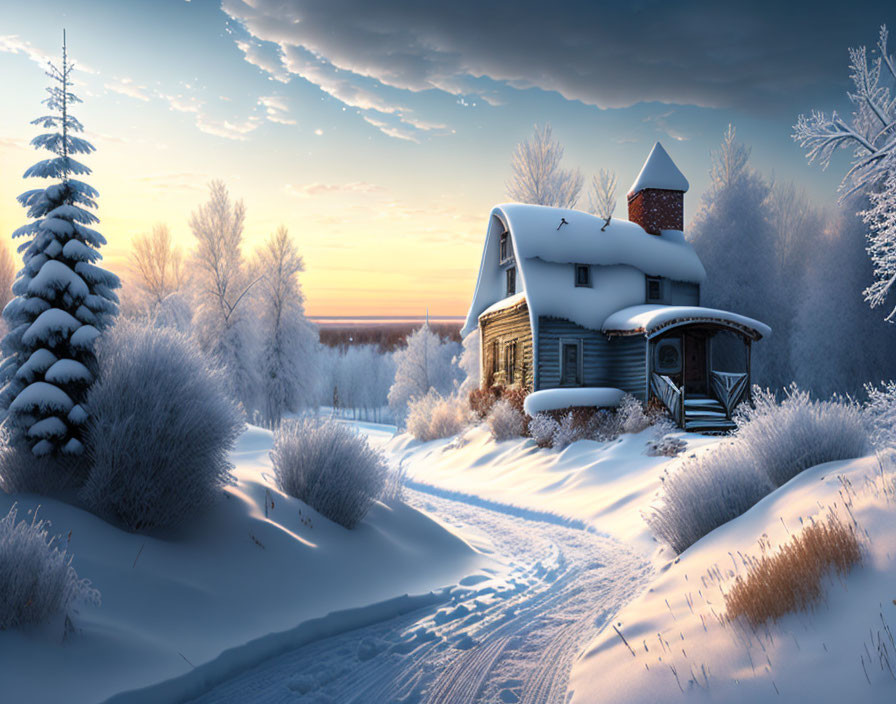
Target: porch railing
x=670 y=395
x=729 y=388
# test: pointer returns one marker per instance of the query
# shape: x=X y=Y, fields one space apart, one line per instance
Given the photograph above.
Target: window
x=571 y=363
x=667 y=359
x=511 y=281
x=505 y=246
x=494 y=357
x=583 y=275
x=509 y=362
x=654 y=288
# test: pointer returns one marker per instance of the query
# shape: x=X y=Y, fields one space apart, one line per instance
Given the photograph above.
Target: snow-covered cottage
x=580 y=310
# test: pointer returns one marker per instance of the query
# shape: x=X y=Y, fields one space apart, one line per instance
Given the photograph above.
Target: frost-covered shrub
x=505 y=421
x=22 y=472
x=160 y=429
x=581 y=424
x=516 y=398
x=706 y=492
x=630 y=415
x=880 y=413
x=329 y=467
x=662 y=443
x=542 y=429
x=799 y=432
x=434 y=416
x=37 y=581
x=482 y=400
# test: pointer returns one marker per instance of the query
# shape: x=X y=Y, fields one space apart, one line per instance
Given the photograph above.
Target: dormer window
x=583 y=275
x=506 y=250
x=511 y=281
x=654 y=288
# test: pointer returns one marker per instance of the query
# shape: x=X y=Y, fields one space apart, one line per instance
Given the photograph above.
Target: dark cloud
x=749 y=55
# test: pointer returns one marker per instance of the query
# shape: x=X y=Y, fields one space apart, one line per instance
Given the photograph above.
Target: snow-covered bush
x=435 y=416
x=37 y=581
x=505 y=421
x=787 y=437
x=662 y=443
x=482 y=400
x=22 y=472
x=542 y=429
x=630 y=415
x=706 y=492
x=329 y=467
x=160 y=429
x=880 y=413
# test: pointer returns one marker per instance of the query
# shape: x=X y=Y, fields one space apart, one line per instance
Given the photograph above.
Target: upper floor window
x=506 y=251
x=583 y=275
x=654 y=288
x=511 y=281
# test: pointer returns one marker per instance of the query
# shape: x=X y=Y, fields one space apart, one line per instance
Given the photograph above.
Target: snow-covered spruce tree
x=870 y=135
x=62 y=299
x=536 y=174
x=288 y=358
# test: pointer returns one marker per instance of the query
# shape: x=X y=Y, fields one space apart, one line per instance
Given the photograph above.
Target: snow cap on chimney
x=659 y=171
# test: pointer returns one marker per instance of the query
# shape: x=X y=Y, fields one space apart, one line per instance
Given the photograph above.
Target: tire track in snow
x=511 y=638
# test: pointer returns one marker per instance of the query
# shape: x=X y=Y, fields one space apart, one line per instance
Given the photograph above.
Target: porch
x=698 y=360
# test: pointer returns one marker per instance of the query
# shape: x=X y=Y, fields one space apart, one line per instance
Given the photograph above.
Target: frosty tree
x=157 y=265
x=536 y=174
x=602 y=198
x=426 y=363
x=871 y=134
x=62 y=299
x=223 y=323
x=288 y=364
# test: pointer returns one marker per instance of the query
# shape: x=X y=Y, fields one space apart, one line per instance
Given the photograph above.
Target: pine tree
x=63 y=300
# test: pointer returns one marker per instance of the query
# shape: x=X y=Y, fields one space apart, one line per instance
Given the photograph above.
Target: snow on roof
x=505 y=303
x=651 y=320
x=558 y=399
x=544 y=255
x=659 y=171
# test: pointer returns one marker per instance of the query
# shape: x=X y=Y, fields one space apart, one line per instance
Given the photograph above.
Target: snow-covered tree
x=288 y=361
x=602 y=197
x=62 y=298
x=156 y=265
x=736 y=242
x=470 y=363
x=536 y=174
x=426 y=363
x=223 y=320
x=871 y=135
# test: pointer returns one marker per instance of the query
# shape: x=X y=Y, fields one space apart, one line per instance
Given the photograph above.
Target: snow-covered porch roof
x=653 y=320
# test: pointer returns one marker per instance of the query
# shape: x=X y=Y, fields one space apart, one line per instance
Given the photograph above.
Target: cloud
x=390 y=130
x=697 y=52
x=226 y=128
x=276 y=109
x=310 y=190
x=13 y=44
x=125 y=86
x=269 y=62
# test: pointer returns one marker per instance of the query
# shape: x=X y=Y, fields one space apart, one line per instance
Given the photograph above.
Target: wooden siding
x=619 y=363
x=504 y=327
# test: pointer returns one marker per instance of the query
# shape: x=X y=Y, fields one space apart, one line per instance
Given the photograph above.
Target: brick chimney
x=656 y=198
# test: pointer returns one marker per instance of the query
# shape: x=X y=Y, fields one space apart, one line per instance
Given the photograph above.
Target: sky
x=380 y=133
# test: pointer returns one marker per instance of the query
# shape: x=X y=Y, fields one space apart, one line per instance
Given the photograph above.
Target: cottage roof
x=659 y=171
x=651 y=320
x=544 y=237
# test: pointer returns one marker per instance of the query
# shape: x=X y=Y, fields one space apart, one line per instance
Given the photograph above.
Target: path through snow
x=508 y=638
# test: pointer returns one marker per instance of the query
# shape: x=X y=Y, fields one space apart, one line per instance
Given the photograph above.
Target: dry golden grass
x=790 y=580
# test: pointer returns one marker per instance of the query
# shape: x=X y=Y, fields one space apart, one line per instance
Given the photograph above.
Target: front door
x=694 y=364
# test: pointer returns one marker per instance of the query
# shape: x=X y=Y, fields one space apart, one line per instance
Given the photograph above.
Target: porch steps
x=703 y=414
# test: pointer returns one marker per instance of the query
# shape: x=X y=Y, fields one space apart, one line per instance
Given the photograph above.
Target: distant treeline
x=386 y=336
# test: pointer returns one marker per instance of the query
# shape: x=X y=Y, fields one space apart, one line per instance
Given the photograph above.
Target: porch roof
x=652 y=320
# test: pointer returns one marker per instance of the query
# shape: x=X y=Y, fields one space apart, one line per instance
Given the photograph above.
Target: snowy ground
x=508 y=638
x=259 y=574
